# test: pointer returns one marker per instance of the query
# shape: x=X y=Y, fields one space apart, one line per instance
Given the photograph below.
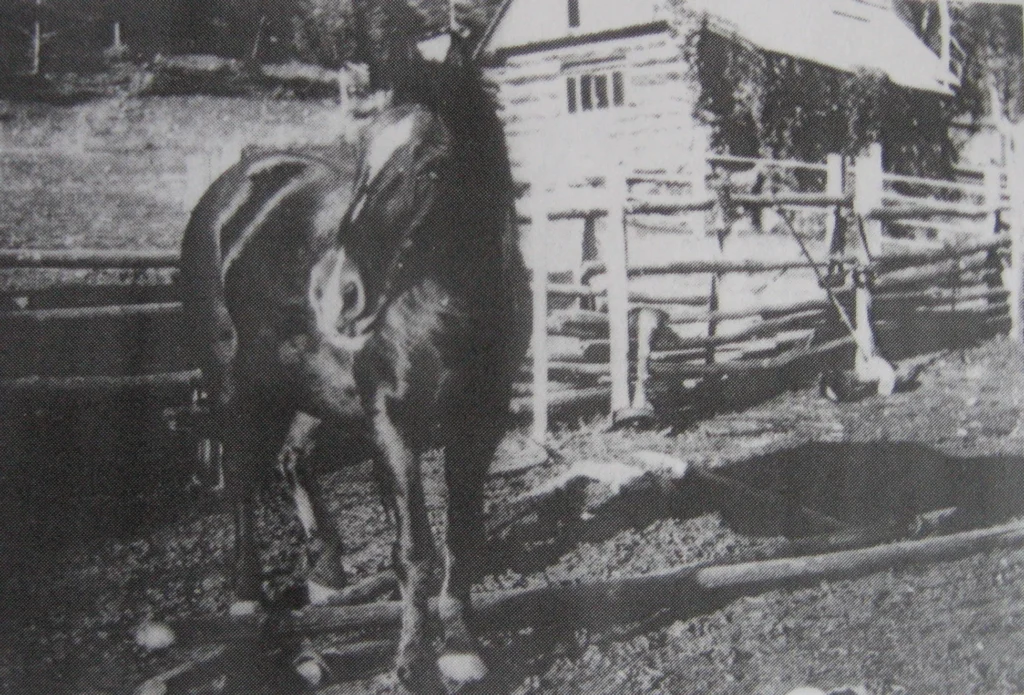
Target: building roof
x=843 y=34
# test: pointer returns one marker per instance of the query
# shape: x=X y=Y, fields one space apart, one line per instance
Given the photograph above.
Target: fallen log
x=690 y=589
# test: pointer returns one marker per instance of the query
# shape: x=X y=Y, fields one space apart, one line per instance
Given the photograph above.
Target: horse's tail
x=208 y=331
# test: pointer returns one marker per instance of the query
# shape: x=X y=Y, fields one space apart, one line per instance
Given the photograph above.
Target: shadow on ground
x=886 y=486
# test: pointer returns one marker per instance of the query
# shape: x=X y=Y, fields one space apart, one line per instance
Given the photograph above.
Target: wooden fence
x=82 y=323
x=901 y=254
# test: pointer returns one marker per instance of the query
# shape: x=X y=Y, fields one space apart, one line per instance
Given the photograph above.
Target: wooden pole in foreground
x=613 y=251
x=834 y=186
x=690 y=590
x=867 y=198
x=1015 y=182
x=539 y=340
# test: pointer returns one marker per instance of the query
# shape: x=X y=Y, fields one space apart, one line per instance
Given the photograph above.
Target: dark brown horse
x=395 y=307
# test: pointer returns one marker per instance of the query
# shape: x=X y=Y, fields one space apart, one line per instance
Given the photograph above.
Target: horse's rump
x=250 y=245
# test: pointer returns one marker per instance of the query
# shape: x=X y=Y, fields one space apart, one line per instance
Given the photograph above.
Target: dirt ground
x=76 y=586
x=101 y=533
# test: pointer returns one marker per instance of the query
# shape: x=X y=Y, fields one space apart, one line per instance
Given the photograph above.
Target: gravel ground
x=100 y=534
x=73 y=596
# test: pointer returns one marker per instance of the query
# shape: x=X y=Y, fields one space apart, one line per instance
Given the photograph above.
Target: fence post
x=993 y=196
x=833 y=186
x=867 y=199
x=1015 y=176
x=613 y=251
x=539 y=285
x=720 y=215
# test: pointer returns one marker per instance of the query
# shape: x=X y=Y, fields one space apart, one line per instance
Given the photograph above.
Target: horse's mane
x=480 y=242
x=456 y=91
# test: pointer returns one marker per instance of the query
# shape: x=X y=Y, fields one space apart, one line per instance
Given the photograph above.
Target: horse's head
x=432 y=166
x=404 y=163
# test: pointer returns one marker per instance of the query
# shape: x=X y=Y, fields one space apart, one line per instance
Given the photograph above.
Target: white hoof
x=154 y=636
x=310 y=671
x=154 y=686
x=240 y=609
x=321 y=594
x=463 y=667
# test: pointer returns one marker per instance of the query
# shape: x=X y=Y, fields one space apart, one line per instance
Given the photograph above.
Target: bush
x=761 y=104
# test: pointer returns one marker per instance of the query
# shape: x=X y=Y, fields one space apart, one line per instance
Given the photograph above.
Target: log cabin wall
x=614 y=90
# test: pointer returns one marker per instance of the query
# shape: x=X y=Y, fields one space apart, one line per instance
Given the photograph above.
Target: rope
x=843 y=316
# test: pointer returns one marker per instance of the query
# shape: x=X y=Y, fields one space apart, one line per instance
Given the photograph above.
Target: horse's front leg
x=467 y=457
x=252 y=438
x=413 y=550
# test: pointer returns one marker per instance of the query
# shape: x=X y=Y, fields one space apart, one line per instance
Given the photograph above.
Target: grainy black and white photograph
x=506 y=347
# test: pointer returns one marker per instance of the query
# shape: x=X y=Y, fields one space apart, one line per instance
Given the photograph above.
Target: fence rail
x=905 y=277
x=611 y=332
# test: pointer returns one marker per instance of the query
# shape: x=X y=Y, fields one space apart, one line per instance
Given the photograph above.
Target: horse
x=394 y=308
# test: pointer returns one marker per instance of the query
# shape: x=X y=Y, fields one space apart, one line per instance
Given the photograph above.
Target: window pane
x=586 y=95
x=574 y=13
x=618 y=89
x=570 y=93
x=601 y=91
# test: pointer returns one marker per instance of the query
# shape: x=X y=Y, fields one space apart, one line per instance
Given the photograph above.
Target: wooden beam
x=88 y=259
x=688 y=590
x=91 y=313
x=83 y=385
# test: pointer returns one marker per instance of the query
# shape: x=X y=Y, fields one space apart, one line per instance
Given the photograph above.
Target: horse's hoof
x=154 y=686
x=885 y=374
x=321 y=594
x=241 y=609
x=418 y=675
x=310 y=671
x=462 y=667
x=154 y=636
x=310 y=666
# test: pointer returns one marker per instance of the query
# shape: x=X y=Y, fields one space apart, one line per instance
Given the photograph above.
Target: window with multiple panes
x=595 y=91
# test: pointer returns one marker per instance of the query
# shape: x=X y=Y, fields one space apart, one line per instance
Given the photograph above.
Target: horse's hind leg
x=253 y=435
x=327 y=575
x=467 y=457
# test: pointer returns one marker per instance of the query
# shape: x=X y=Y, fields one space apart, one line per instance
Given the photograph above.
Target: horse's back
x=250 y=243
